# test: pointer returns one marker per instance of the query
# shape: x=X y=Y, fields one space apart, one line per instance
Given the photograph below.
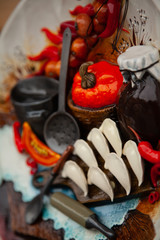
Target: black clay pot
x=34 y=99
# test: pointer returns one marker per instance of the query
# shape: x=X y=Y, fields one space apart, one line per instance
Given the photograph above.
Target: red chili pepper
x=55 y=38
x=112 y=18
x=146 y=151
x=71 y=25
x=158 y=146
x=155 y=173
x=153 y=197
x=17 y=136
x=136 y=134
x=88 y=9
x=50 y=53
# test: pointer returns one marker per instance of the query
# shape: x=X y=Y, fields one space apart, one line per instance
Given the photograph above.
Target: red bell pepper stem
x=146 y=151
x=88 y=9
x=50 y=53
x=54 y=38
x=17 y=136
x=112 y=18
x=155 y=173
x=153 y=197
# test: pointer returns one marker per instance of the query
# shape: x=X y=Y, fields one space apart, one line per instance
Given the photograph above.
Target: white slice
x=97 y=177
x=83 y=150
x=130 y=150
x=117 y=167
x=99 y=141
x=76 y=174
x=110 y=130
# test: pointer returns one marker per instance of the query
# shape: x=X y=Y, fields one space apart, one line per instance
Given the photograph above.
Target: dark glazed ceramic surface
x=34 y=100
x=139 y=108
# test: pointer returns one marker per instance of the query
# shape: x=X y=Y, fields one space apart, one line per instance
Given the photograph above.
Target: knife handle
x=79 y=213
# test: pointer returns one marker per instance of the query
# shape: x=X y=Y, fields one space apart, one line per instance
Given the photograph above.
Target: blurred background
x=6 y=8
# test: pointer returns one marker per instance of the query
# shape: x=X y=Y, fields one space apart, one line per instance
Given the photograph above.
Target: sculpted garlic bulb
x=76 y=174
x=83 y=150
x=110 y=130
x=117 y=167
x=130 y=150
x=97 y=177
x=99 y=141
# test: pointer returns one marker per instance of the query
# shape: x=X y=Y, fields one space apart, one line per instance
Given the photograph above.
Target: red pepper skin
x=31 y=163
x=36 y=149
x=158 y=146
x=17 y=136
x=155 y=173
x=50 y=53
x=71 y=25
x=112 y=18
x=88 y=9
x=54 y=38
x=153 y=197
x=108 y=81
x=146 y=151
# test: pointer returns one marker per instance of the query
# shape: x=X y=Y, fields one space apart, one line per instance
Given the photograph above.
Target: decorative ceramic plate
x=22 y=36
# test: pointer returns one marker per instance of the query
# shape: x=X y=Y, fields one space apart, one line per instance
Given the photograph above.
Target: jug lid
x=138 y=59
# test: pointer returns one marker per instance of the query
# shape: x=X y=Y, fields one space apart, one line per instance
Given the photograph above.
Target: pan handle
x=40 y=179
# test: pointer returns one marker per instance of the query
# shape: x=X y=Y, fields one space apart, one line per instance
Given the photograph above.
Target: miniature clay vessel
x=90 y=118
x=139 y=102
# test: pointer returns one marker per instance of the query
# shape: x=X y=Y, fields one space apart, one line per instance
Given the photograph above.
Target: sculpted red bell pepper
x=112 y=18
x=96 y=85
x=38 y=150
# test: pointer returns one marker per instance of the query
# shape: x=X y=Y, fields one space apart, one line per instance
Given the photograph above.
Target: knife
x=79 y=213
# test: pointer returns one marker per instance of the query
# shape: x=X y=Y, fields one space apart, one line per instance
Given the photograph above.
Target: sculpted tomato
x=96 y=85
x=79 y=48
x=83 y=25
